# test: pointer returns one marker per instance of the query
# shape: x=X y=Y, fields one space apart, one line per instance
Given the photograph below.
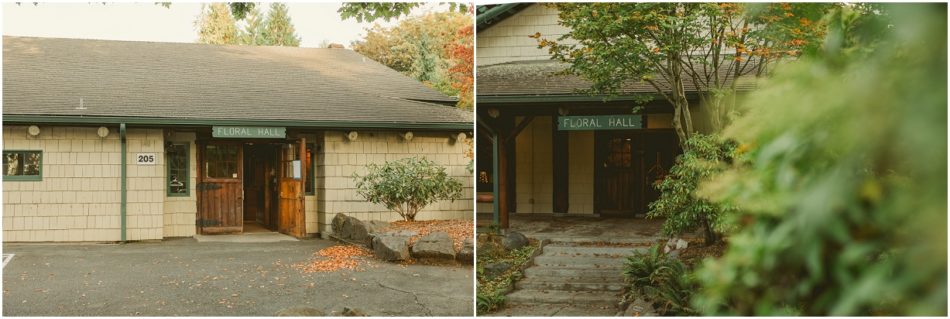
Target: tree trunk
x=710 y=236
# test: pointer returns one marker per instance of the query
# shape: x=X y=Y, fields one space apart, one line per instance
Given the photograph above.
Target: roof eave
x=154 y=121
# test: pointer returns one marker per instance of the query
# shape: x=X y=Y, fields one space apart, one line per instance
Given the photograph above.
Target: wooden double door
x=262 y=182
x=628 y=164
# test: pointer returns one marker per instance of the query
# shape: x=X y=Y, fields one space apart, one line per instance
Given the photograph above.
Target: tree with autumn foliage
x=433 y=48
x=668 y=45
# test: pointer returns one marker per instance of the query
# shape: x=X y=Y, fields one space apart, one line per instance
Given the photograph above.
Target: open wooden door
x=220 y=188
x=293 y=173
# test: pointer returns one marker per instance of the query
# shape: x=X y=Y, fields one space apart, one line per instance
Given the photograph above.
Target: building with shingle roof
x=125 y=140
x=548 y=147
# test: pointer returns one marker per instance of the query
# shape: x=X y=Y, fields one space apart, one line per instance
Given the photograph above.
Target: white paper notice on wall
x=145 y=159
x=297 y=172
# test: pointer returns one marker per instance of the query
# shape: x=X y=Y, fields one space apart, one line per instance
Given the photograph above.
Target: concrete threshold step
x=583 y=284
x=593 y=262
x=549 y=310
x=580 y=251
x=534 y=296
x=576 y=272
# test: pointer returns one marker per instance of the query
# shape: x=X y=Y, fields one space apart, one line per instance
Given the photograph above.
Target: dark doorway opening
x=260 y=186
x=627 y=164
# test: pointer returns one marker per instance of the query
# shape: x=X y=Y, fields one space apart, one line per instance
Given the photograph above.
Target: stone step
x=579 y=262
x=579 y=284
x=581 y=251
x=570 y=272
x=549 y=310
x=534 y=296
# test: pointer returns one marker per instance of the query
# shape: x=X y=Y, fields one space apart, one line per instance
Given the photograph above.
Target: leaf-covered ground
x=458 y=229
x=348 y=257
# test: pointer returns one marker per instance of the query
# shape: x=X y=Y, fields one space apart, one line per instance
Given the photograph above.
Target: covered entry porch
x=572 y=156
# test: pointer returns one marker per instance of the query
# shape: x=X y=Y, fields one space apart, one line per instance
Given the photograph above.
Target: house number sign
x=145 y=159
x=599 y=122
x=248 y=132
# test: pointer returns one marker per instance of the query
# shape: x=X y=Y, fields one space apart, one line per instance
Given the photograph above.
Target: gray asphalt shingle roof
x=541 y=77
x=48 y=76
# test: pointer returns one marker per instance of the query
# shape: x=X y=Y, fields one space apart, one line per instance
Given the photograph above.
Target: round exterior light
x=33 y=130
x=494 y=113
x=407 y=136
x=352 y=135
x=103 y=131
x=461 y=137
x=563 y=111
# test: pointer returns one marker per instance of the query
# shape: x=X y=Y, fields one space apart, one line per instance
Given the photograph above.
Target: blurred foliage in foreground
x=842 y=199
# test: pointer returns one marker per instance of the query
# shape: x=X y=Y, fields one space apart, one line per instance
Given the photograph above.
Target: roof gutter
x=570 y=98
x=79 y=119
x=490 y=14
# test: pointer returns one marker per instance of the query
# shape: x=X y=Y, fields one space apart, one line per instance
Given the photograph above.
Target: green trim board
x=312 y=177
x=99 y=120
x=599 y=122
x=186 y=179
x=24 y=178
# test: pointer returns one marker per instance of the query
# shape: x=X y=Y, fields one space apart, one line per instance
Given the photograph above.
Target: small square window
x=22 y=165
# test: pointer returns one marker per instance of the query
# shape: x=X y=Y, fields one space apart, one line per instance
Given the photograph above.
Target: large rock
x=434 y=245
x=353 y=229
x=467 y=254
x=492 y=270
x=391 y=248
x=301 y=312
x=514 y=240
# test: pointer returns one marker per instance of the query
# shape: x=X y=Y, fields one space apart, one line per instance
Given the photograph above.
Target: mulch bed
x=696 y=252
x=458 y=229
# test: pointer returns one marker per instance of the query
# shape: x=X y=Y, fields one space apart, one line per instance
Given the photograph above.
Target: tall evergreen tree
x=216 y=25
x=253 y=32
x=278 y=29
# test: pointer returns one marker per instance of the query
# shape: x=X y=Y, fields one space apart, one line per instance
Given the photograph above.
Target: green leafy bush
x=661 y=280
x=844 y=194
x=706 y=155
x=408 y=185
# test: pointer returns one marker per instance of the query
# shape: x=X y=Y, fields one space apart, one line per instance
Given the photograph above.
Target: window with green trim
x=22 y=165
x=178 y=169
x=311 y=171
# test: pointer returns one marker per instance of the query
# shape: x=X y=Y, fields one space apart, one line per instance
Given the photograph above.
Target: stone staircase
x=571 y=279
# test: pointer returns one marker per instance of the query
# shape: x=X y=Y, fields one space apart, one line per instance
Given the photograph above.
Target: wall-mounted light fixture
x=494 y=113
x=103 y=131
x=459 y=138
x=33 y=130
x=407 y=136
x=352 y=135
x=563 y=111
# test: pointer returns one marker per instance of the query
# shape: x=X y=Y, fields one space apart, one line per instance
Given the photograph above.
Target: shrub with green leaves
x=408 y=185
x=844 y=195
x=706 y=155
x=662 y=280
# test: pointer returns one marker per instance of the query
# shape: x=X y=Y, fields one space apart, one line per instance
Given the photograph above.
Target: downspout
x=122 y=175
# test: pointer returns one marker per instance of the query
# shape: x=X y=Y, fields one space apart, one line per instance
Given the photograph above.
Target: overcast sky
x=314 y=22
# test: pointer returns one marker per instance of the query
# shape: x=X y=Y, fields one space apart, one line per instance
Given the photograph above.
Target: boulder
x=351 y=312
x=353 y=229
x=434 y=245
x=675 y=244
x=300 y=312
x=391 y=248
x=492 y=270
x=514 y=240
x=467 y=254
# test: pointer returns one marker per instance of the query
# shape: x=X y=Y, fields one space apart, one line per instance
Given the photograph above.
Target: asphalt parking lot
x=183 y=277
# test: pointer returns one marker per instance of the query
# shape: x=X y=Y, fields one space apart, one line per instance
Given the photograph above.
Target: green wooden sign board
x=599 y=122
x=248 y=132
